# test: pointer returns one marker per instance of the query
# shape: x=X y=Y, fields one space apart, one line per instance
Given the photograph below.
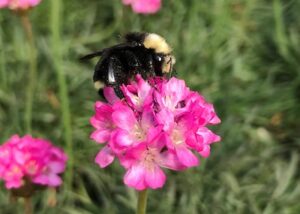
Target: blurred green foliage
x=243 y=55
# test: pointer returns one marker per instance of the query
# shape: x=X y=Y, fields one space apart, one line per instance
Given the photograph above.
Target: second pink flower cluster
x=18 y=4
x=144 y=6
x=33 y=159
x=158 y=124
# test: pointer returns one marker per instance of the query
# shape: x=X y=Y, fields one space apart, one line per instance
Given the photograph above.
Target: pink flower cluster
x=30 y=158
x=160 y=123
x=19 y=4
x=144 y=6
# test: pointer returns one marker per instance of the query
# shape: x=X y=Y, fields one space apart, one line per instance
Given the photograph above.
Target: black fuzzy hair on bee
x=147 y=54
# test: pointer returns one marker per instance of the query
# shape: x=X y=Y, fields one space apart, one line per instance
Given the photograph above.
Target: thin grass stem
x=55 y=23
x=26 y=24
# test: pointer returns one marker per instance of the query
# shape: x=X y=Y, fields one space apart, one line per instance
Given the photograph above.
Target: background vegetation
x=243 y=55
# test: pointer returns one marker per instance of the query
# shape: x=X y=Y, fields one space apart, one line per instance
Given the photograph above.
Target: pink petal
x=186 y=157
x=19 y=156
x=122 y=138
x=144 y=90
x=105 y=157
x=135 y=177
x=3 y=3
x=136 y=151
x=34 y=2
x=124 y=117
x=148 y=118
x=146 y=6
x=54 y=180
x=41 y=179
x=165 y=118
x=205 y=151
x=205 y=136
x=156 y=138
x=101 y=136
x=110 y=95
x=192 y=142
x=215 y=120
x=132 y=99
x=133 y=155
x=127 y=2
x=155 y=177
x=57 y=166
x=170 y=160
x=15 y=183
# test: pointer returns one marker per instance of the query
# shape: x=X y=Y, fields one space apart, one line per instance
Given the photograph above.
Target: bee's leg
x=101 y=93
x=118 y=91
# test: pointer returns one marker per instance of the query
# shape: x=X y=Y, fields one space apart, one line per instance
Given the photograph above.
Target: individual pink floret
x=171 y=95
x=138 y=94
x=102 y=122
x=131 y=129
x=34 y=159
x=19 y=4
x=144 y=161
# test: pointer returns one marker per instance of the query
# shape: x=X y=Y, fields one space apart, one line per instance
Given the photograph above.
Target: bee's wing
x=91 y=55
x=101 y=52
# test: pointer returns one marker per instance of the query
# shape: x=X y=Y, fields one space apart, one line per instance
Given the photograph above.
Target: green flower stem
x=2 y=62
x=28 y=209
x=56 y=11
x=32 y=70
x=142 y=202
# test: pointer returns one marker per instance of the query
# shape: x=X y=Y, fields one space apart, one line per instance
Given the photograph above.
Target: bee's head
x=162 y=51
x=165 y=62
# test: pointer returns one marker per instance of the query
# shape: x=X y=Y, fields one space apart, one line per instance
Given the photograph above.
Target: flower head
x=159 y=123
x=19 y=4
x=144 y=6
x=31 y=159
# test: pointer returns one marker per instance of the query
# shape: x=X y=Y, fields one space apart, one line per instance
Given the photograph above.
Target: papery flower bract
x=159 y=123
x=34 y=159
x=19 y=4
x=144 y=6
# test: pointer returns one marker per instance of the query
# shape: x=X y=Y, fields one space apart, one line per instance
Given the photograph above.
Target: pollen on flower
x=31 y=167
x=139 y=132
x=149 y=157
x=176 y=137
x=15 y=170
x=160 y=123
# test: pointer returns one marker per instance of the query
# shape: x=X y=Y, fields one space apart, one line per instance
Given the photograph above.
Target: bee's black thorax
x=119 y=64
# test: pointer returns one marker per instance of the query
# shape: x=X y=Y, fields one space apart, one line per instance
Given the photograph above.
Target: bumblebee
x=147 y=54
